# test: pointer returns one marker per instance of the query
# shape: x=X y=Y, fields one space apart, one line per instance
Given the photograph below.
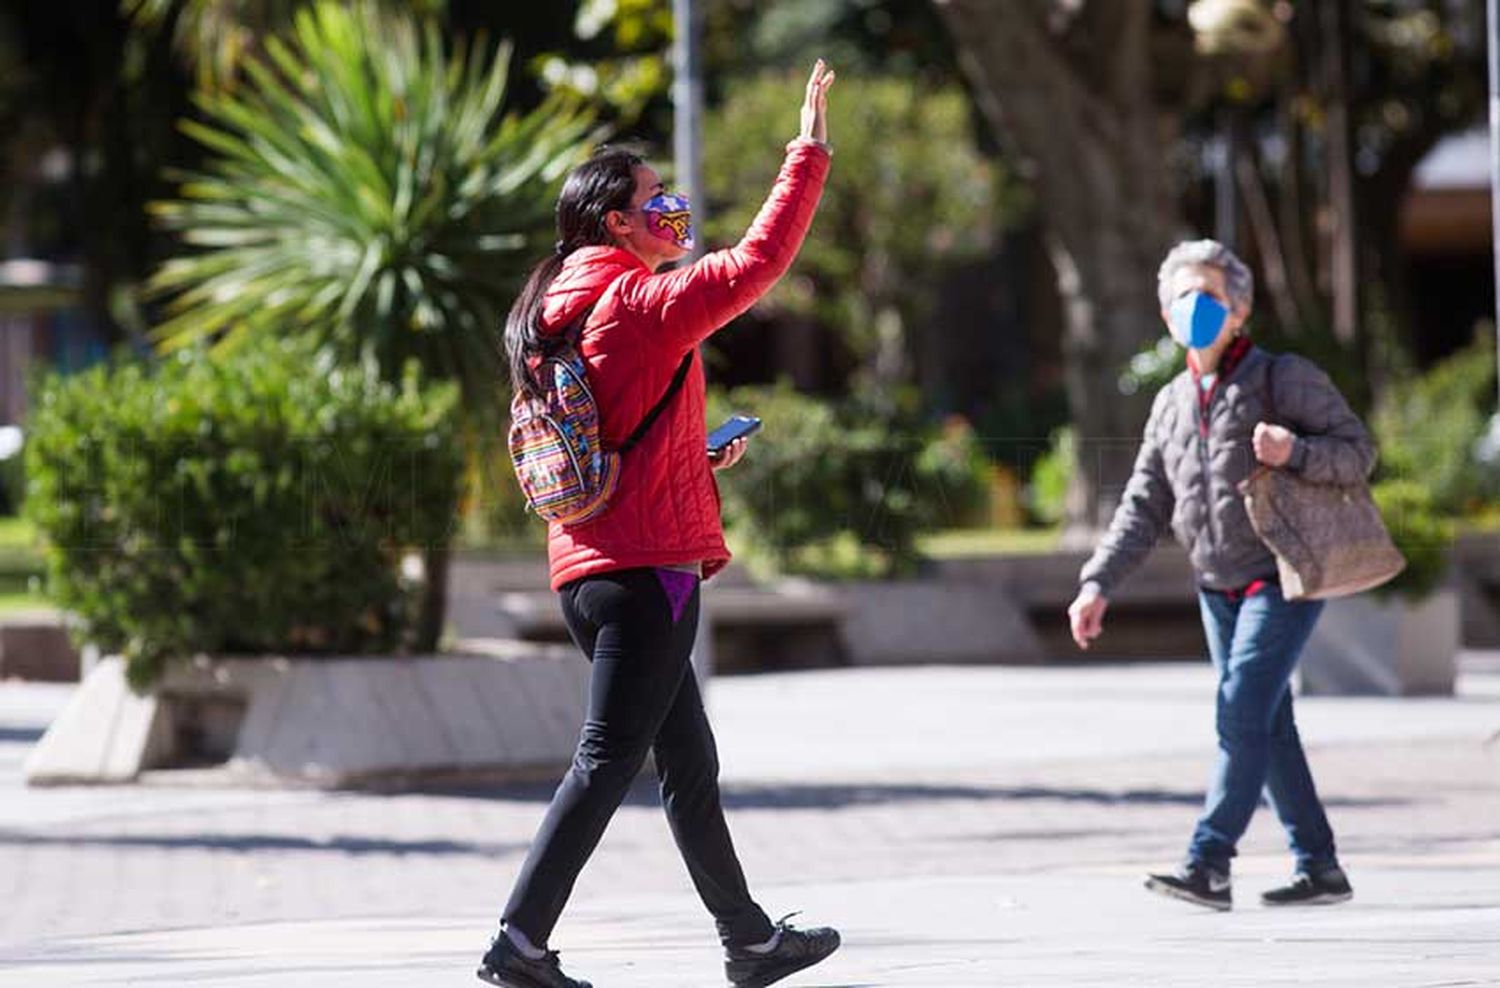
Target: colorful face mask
x=670 y=217
x=1197 y=319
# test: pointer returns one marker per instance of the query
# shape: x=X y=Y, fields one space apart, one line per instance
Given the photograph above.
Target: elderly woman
x=1235 y=406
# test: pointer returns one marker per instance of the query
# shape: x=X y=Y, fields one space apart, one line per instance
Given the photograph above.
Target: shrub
x=21 y=567
x=1047 y=494
x=844 y=489
x=1431 y=430
x=1420 y=531
x=258 y=505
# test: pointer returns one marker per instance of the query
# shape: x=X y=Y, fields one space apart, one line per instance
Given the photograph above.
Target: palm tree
x=215 y=37
x=369 y=189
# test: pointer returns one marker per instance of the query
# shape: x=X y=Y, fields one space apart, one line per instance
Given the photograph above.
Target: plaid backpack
x=563 y=468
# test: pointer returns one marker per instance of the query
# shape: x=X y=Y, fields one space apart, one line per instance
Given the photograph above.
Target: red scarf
x=1227 y=363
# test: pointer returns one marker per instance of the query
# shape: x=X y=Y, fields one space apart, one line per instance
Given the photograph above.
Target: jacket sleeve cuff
x=1092 y=586
x=1298 y=460
x=797 y=142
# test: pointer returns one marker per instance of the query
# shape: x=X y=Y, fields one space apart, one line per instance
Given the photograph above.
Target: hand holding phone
x=735 y=427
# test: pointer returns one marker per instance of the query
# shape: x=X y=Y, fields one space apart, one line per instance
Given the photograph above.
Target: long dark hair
x=599 y=186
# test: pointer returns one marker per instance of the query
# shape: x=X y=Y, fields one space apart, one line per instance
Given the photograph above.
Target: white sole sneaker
x=1187 y=895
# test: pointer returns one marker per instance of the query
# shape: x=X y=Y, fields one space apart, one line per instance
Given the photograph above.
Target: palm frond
x=371 y=189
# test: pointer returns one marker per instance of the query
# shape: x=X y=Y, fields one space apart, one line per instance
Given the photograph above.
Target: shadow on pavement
x=833 y=796
x=247 y=843
x=836 y=796
x=21 y=735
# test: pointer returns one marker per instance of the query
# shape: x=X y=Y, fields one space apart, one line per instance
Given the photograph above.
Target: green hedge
x=252 y=505
x=1420 y=531
x=21 y=567
x=1431 y=430
x=844 y=489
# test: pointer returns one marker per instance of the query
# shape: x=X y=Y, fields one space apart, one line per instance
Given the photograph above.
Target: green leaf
x=368 y=189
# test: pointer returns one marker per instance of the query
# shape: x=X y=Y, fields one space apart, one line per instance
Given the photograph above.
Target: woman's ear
x=617 y=224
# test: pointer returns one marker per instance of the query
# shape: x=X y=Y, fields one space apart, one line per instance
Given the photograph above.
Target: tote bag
x=1329 y=539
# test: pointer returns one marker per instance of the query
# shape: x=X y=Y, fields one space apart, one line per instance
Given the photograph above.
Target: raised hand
x=815 y=105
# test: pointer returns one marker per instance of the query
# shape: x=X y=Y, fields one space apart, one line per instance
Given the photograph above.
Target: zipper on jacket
x=1229 y=364
x=1204 y=409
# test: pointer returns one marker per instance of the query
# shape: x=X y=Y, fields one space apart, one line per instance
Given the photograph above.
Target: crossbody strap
x=660 y=406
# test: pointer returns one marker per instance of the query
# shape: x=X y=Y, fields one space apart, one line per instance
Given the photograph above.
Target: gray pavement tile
x=1073 y=928
x=966 y=826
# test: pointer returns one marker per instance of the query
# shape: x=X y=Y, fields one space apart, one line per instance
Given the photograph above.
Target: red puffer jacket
x=666 y=509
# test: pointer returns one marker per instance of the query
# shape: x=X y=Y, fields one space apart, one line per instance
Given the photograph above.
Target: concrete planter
x=932 y=621
x=37 y=647
x=499 y=709
x=1369 y=646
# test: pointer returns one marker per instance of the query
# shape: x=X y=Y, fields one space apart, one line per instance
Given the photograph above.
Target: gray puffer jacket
x=1188 y=477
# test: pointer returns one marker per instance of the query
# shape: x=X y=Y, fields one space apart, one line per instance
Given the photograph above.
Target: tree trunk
x=1080 y=111
x=434 y=604
x=1267 y=238
x=1293 y=217
x=1344 y=248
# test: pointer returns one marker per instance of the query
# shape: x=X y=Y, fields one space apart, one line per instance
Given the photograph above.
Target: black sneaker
x=795 y=949
x=507 y=967
x=1326 y=888
x=1195 y=883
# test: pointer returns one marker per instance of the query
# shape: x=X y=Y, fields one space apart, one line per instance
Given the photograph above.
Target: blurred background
x=258 y=252
x=258 y=527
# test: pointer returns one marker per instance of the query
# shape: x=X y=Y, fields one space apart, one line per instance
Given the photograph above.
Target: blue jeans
x=1254 y=642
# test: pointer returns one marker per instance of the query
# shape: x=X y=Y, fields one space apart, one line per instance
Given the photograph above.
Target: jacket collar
x=1231 y=359
x=1230 y=362
x=585 y=274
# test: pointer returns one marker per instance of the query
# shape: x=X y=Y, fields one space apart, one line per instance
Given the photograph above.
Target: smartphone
x=735 y=427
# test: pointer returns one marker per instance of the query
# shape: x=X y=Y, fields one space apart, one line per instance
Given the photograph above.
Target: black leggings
x=643 y=696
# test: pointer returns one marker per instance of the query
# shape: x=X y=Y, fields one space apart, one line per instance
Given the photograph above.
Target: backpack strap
x=661 y=405
x=574 y=334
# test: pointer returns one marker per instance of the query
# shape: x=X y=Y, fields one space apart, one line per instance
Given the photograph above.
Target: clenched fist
x=1273 y=444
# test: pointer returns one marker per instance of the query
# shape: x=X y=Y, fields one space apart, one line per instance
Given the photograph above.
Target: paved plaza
x=962 y=826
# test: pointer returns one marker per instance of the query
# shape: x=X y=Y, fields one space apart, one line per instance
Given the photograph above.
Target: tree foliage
x=1326 y=106
x=1295 y=131
x=368 y=190
x=215 y=37
x=909 y=194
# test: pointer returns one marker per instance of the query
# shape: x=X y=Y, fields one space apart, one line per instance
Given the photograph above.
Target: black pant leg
x=640 y=658
x=687 y=765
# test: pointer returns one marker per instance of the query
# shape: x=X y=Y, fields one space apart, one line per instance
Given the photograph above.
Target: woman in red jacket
x=629 y=578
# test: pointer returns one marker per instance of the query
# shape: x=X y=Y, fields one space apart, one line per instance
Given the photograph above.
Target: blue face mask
x=1197 y=320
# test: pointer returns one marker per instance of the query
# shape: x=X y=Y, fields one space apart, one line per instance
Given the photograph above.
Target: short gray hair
x=1238 y=280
